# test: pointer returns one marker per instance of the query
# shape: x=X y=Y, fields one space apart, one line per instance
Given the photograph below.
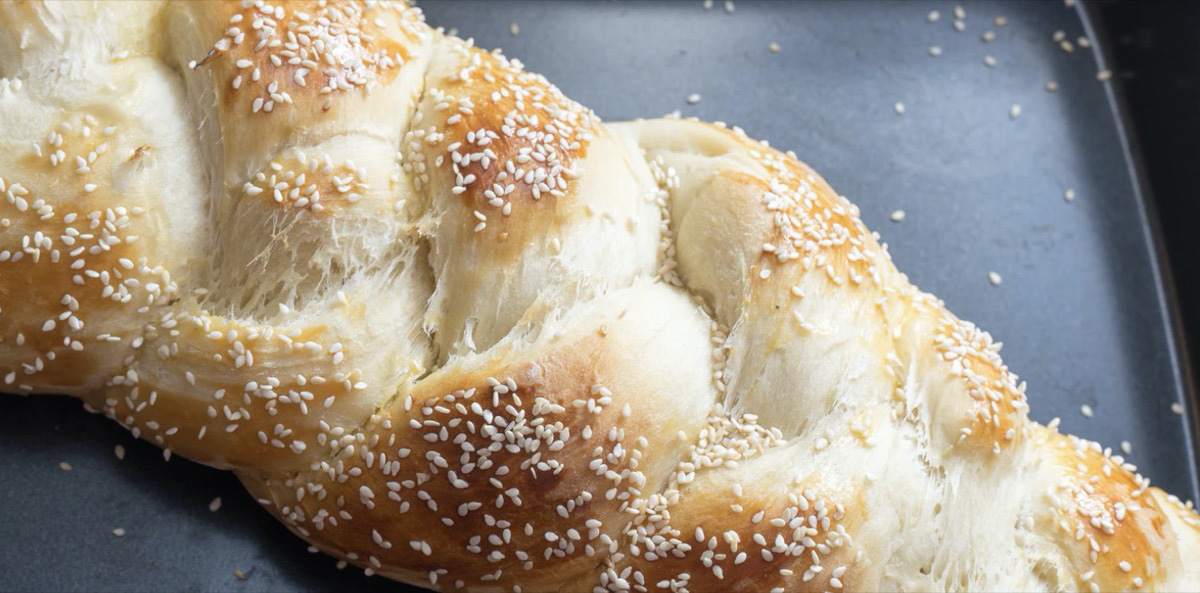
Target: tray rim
x=1183 y=374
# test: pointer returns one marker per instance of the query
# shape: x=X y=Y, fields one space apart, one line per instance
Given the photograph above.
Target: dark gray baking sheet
x=1081 y=309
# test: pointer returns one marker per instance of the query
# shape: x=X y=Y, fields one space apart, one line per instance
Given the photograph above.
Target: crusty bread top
x=446 y=324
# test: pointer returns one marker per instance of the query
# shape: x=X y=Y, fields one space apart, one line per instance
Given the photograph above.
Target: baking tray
x=1082 y=309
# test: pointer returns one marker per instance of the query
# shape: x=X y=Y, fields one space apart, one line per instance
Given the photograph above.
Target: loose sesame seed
x=1051 y=86
x=693 y=98
x=1069 y=195
x=935 y=50
x=899 y=108
x=64 y=466
x=1126 y=447
x=774 y=47
x=989 y=61
x=933 y=16
x=1086 y=410
x=119 y=532
x=898 y=215
x=994 y=278
x=1104 y=75
x=1177 y=408
x=1014 y=112
x=215 y=505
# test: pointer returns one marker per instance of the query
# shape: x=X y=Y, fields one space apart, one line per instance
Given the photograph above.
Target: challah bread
x=447 y=325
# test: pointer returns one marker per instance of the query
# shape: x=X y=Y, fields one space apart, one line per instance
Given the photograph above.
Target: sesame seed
x=693 y=98
x=64 y=466
x=933 y=16
x=988 y=36
x=960 y=25
x=1051 y=86
x=989 y=61
x=215 y=505
x=774 y=47
x=119 y=532
x=1125 y=566
x=935 y=50
x=1069 y=195
x=1000 y=21
x=899 y=108
x=994 y=278
x=729 y=6
x=898 y=216
x=1086 y=410
x=514 y=29
x=1126 y=447
x=1177 y=408
x=1104 y=75
x=237 y=572
x=119 y=451
x=1015 y=111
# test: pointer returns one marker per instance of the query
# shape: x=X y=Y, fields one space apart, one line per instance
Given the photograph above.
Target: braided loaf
x=445 y=324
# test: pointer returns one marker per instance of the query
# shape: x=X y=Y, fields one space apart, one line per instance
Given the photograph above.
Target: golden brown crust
x=1105 y=518
x=448 y=326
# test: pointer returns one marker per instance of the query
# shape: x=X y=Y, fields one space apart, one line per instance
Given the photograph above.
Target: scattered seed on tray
x=729 y=6
x=1069 y=195
x=166 y=454
x=1051 y=86
x=119 y=451
x=960 y=13
x=1015 y=111
x=1066 y=46
x=933 y=16
x=989 y=61
x=64 y=466
x=1059 y=35
x=514 y=29
x=1104 y=75
x=960 y=26
x=994 y=278
x=237 y=572
x=1083 y=42
x=899 y=108
x=1086 y=410
x=898 y=216
x=774 y=47
x=1000 y=21
x=935 y=50
x=313 y=550
x=215 y=505
x=693 y=98
x=1177 y=408
x=119 y=532
x=341 y=564
x=988 y=36
x=1126 y=447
